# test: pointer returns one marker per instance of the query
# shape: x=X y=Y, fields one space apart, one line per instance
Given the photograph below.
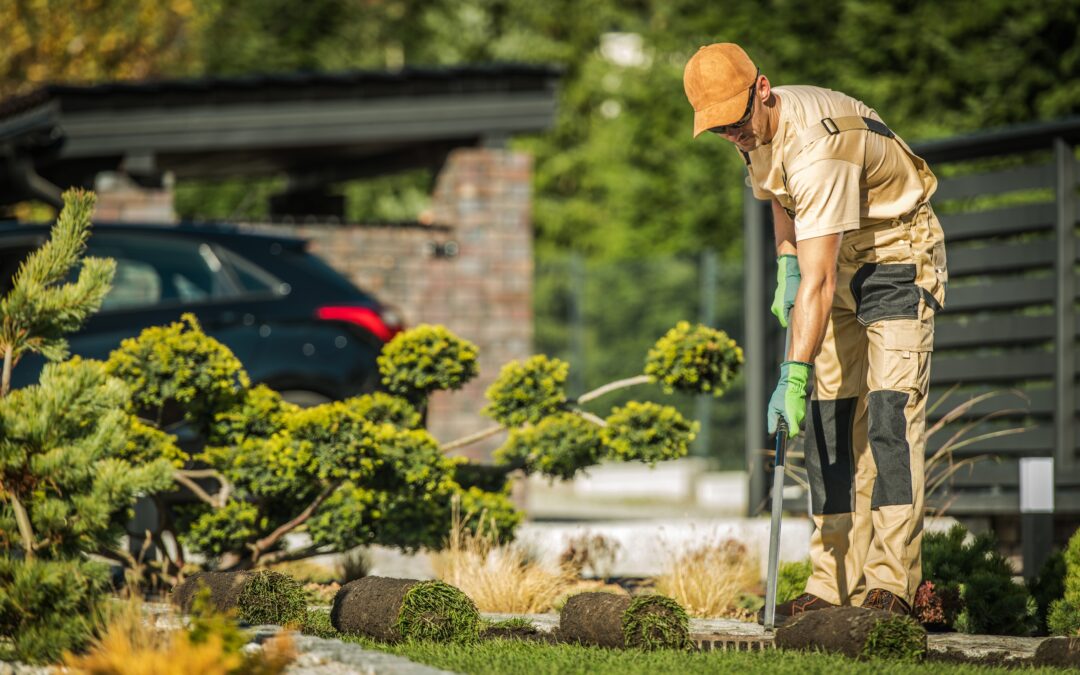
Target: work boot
x=786 y=611
x=879 y=598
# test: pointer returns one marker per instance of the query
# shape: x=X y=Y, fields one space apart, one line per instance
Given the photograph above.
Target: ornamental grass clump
x=711 y=580
x=393 y=610
x=694 y=359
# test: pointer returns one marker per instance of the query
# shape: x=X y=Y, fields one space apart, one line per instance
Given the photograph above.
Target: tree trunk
x=5 y=382
x=22 y=519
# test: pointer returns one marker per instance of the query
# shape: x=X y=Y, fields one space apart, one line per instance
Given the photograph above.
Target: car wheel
x=303 y=398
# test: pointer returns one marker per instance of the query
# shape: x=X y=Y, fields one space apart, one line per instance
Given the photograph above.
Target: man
x=861 y=274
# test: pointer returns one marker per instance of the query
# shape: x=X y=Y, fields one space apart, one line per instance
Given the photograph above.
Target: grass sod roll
x=1058 y=652
x=392 y=610
x=257 y=597
x=855 y=632
x=618 y=621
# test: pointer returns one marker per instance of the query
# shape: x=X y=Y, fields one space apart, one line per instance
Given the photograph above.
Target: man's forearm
x=809 y=318
x=783 y=230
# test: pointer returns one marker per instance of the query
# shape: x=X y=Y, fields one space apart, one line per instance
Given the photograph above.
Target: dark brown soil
x=1062 y=652
x=527 y=633
x=224 y=588
x=842 y=630
x=370 y=606
x=594 y=619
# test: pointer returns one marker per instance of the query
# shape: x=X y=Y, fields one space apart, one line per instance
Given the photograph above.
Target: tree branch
x=225 y=489
x=472 y=438
x=179 y=477
x=613 y=386
x=585 y=414
x=286 y=556
x=22 y=519
x=272 y=538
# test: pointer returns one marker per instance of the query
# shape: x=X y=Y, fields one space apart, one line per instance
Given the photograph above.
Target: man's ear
x=764 y=89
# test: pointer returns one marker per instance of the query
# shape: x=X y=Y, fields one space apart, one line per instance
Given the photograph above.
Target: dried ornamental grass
x=498 y=577
x=710 y=580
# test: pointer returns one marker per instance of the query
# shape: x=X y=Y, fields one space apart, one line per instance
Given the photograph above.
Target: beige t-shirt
x=840 y=182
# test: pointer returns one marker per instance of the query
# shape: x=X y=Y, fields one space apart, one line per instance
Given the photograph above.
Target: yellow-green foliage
x=558 y=446
x=381 y=407
x=491 y=512
x=146 y=444
x=694 y=359
x=48 y=606
x=61 y=450
x=229 y=528
x=648 y=432
x=1064 y=616
x=178 y=367
x=528 y=391
x=42 y=306
x=260 y=413
x=425 y=359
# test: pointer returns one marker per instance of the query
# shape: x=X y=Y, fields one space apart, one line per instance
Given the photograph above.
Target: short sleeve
x=827 y=198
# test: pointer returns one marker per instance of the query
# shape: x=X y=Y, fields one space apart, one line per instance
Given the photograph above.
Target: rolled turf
x=610 y=620
x=855 y=632
x=392 y=610
x=257 y=597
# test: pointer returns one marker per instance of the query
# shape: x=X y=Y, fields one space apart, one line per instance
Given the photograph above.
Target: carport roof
x=317 y=127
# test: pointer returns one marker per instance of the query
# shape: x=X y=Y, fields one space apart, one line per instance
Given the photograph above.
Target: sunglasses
x=723 y=129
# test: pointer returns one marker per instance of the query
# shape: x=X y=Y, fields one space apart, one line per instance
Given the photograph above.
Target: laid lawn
x=508 y=657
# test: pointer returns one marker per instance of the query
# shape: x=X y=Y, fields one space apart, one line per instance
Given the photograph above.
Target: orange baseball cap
x=717 y=80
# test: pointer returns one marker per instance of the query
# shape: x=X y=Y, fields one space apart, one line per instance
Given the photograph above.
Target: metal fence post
x=754 y=346
x=577 y=323
x=703 y=403
x=1065 y=436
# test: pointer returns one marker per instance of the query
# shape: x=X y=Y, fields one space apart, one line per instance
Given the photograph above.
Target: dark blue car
x=296 y=324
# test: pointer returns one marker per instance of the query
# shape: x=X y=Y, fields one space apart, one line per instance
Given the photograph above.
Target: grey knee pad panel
x=830 y=460
x=887 y=429
x=885 y=292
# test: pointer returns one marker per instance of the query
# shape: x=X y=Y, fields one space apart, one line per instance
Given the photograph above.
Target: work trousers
x=866 y=425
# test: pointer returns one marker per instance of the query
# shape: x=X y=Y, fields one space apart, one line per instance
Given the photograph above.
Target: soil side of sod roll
x=1060 y=652
x=855 y=632
x=594 y=619
x=370 y=606
x=225 y=589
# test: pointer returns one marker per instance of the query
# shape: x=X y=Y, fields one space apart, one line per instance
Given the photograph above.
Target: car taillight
x=365 y=317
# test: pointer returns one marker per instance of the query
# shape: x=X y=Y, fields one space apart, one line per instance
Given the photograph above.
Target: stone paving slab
x=319 y=656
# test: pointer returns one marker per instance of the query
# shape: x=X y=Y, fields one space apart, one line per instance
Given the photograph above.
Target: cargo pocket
x=905 y=362
x=885 y=292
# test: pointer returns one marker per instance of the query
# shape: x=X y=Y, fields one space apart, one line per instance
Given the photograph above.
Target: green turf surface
x=509 y=657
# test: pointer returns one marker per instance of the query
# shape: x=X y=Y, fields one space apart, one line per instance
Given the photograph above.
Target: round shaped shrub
x=260 y=413
x=177 y=371
x=648 y=432
x=527 y=391
x=558 y=446
x=425 y=359
x=219 y=531
x=694 y=359
x=382 y=408
x=271 y=597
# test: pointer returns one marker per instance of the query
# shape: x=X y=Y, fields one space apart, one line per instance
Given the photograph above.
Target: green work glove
x=789 y=398
x=787 y=285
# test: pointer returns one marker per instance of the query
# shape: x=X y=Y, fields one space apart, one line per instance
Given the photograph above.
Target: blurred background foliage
x=618 y=180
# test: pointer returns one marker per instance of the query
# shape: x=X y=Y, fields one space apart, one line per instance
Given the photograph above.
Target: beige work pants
x=866 y=423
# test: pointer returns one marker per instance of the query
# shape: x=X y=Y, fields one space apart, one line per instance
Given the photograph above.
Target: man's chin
x=749 y=145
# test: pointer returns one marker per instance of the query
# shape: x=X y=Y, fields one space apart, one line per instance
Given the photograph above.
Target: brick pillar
x=485 y=294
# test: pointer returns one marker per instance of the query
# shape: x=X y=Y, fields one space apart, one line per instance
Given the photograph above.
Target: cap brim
x=728 y=111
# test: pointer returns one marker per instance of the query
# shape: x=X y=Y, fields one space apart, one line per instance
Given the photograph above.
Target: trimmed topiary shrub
x=558 y=446
x=992 y=603
x=694 y=359
x=648 y=432
x=425 y=359
x=527 y=391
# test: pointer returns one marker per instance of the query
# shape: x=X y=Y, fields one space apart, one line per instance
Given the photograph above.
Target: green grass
x=503 y=657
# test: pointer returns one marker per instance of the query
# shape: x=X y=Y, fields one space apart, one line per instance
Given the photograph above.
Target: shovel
x=774 y=530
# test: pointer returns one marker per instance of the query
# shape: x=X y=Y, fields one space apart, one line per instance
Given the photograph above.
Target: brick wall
x=484 y=293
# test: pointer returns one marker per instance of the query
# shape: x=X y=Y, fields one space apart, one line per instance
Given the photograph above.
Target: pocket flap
x=909 y=335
